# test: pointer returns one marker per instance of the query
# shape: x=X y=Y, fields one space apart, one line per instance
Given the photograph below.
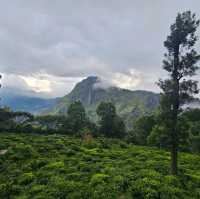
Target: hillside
x=129 y=104
x=20 y=102
x=55 y=166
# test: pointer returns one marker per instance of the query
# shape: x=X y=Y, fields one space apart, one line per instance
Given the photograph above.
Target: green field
x=55 y=166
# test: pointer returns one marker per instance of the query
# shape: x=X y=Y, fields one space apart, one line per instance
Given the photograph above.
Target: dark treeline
x=76 y=123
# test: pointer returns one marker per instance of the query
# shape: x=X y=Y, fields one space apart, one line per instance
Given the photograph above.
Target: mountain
x=20 y=102
x=129 y=104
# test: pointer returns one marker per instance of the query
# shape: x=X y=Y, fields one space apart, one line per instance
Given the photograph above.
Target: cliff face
x=84 y=91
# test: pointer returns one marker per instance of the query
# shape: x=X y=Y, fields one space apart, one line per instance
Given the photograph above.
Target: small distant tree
x=76 y=117
x=181 y=63
x=120 y=128
x=6 y=122
x=111 y=125
x=192 y=119
x=142 y=128
x=51 y=122
x=194 y=137
x=158 y=136
x=192 y=115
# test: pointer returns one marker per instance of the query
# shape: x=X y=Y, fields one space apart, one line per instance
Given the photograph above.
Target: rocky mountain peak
x=84 y=90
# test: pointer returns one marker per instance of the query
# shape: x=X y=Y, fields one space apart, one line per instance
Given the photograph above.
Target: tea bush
x=57 y=166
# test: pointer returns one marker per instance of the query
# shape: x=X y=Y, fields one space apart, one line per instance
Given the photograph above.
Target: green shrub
x=98 y=178
x=54 y=166
x=26 y=178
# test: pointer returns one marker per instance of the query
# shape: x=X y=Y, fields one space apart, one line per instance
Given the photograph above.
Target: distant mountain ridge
x=20 y=102
x=129 y=104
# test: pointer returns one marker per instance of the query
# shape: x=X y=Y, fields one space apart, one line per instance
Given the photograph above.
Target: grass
x=56 y=166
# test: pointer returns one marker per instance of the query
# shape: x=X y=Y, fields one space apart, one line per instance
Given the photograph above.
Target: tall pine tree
x=181 y=64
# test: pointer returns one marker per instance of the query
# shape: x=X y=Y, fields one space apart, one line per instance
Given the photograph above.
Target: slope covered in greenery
x=55 y=166
x=129 y=104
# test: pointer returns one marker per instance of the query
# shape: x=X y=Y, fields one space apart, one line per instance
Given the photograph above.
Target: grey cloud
x=68 y=38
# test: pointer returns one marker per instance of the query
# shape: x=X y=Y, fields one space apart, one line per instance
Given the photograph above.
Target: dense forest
x=97 y=147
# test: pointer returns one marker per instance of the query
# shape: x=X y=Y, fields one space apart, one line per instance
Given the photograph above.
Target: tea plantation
x=56 y=166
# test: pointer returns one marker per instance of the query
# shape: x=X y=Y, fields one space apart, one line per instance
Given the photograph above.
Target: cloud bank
x=47 y=46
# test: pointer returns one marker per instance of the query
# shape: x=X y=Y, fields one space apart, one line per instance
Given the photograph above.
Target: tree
x=192 y=115
x=76 y=117
x=106 y=111
x=119 y=126
x=142 y=128
x=192 y=118
x=194 y=137
x=159 y=135
x=111 y=125
x=51 y=123
x=181 y=63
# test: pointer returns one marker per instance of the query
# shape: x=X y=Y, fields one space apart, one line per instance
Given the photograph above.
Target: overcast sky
x=47 y=46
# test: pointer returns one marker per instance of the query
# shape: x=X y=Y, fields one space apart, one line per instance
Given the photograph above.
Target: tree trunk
x=174 y=159
x=174 y=133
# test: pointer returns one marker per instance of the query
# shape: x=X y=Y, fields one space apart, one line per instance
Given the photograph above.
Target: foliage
x=147 y=130
x=77 y=119
x=158 y=137
x=23 y=122
x=10 y=120
x=142 y=127
x=111 y=125
x=57 y=166
x=194 y=136
x=76 y=116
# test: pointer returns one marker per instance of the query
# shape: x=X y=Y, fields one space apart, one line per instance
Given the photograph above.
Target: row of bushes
x=56 y=166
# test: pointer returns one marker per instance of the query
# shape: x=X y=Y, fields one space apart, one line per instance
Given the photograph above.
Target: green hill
x=129 y=104
x=59 y=167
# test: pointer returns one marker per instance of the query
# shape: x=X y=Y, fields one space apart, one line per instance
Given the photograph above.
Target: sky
x=46 y=46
